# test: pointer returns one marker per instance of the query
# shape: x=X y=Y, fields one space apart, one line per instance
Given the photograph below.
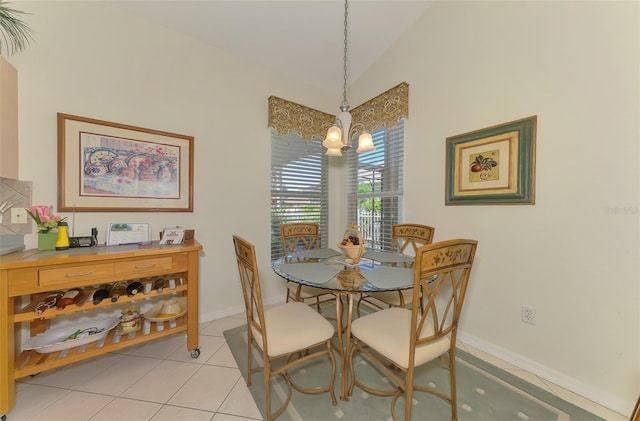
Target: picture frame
x=110 y=167
x=492 y=166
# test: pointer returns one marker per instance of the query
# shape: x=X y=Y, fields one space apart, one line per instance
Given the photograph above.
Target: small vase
x=47 y=241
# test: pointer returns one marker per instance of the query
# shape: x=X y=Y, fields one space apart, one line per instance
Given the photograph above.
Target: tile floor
x=160 y=381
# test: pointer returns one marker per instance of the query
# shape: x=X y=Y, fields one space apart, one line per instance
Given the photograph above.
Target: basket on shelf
x=351 y=244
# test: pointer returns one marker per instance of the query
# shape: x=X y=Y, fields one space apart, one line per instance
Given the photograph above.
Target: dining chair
x=405 y=239
x=288 y=335
x=398 y=340
x=295 y=237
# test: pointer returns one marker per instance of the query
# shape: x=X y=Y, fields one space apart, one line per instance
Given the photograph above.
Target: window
x=299 y=186
x=376 y=186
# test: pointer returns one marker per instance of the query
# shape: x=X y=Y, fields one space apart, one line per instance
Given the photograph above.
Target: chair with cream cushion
x=397 y=340
x=298 y=236
x=292 y=331
x=405 y=239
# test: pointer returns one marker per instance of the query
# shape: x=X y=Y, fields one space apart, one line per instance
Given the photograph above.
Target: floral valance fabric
x=385 y=110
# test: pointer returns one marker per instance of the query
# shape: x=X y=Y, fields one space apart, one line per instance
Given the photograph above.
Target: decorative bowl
x=352 y=248
x=167 y=310
x=351 y=252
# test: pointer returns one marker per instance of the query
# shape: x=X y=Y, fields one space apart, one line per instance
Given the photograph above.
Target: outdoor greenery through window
x=299 y=186
x=376 y=187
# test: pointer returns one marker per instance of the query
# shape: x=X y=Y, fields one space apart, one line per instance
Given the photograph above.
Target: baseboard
x=599 y=396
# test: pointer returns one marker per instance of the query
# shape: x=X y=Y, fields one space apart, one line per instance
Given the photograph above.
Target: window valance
x=286 y=117
x=386 y=109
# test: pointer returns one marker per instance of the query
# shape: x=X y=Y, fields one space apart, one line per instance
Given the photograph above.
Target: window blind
x=299 y=186
x=375 y=186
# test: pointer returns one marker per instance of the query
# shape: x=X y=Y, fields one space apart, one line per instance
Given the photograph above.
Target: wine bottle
x=70 y=297
x=88 y=295
x=133 y=288
x=48 y=302
x=120 y=288
x=101 y=293
x=159 y=285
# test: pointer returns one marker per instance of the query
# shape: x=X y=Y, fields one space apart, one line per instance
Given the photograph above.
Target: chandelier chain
x=344 y=86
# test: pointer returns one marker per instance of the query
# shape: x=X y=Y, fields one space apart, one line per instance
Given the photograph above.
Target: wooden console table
x=34 y=274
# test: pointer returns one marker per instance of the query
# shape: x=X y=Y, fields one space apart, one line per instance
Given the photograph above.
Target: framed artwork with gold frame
x=492 y=166
x=110 y=167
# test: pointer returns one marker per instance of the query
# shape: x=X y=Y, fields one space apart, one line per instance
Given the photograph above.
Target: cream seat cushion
x=293 y=326
x=393 y=298
x=388 y=332
x=305 y=291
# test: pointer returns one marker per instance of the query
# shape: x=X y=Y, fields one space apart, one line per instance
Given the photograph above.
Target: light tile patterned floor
x=160 y=381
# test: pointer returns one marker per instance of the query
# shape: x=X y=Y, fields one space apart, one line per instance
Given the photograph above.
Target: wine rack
x=34 y=275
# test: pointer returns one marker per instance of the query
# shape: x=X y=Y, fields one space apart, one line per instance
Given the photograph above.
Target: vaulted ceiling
x=303 y=39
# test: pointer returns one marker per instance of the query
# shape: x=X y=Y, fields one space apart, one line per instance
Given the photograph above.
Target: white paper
x=127 y=233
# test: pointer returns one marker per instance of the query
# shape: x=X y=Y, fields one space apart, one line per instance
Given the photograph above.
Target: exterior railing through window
x=370 y=223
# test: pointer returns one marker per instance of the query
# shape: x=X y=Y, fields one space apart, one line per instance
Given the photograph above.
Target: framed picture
x=491 y=166
x=110 y=167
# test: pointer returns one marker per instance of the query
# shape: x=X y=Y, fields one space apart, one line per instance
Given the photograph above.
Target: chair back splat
x=405 y=239
x=288 y=335
x=250 y=282
x=406 y=339
x=450 y=264
x=296 y=237
x=299 y=236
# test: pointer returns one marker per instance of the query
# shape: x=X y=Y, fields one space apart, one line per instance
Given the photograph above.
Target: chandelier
x=339 y=135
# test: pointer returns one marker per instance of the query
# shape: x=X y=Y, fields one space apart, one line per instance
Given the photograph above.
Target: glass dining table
x=327 y=269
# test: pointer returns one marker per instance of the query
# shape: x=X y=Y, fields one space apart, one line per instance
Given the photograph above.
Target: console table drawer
x=145 y=267
x=89 y=273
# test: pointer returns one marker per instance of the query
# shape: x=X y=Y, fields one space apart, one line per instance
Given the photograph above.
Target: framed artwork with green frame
x=492 y=166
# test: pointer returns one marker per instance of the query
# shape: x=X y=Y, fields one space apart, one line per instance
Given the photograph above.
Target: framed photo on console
x=492 y=166
x=111 y=167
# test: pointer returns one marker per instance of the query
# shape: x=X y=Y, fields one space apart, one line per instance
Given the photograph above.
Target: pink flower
x=43 y=213
x=45 y=220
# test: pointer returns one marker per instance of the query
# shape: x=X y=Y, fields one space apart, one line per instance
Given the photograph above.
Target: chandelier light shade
x=333 y=152
x=365 y=143
x=339 y=135
x=333 y=139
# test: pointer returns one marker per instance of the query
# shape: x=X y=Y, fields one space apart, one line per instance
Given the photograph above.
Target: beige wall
x=93 y=60
x=573 y=255
x=8 y=120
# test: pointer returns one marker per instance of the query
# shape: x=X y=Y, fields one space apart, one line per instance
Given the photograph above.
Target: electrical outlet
x=19 y=216
x=529 y=315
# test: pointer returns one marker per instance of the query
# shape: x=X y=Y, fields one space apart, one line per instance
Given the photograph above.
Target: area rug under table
x=485 y=392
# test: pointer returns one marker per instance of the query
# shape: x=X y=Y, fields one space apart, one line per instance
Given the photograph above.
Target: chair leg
x=249 y=370
x=358 y=306
x=267 y=389
x=408 y=393
x=289 y=296
x=452 y=379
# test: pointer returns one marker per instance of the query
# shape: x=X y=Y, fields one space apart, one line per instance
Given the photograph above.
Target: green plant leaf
x=15 y=34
